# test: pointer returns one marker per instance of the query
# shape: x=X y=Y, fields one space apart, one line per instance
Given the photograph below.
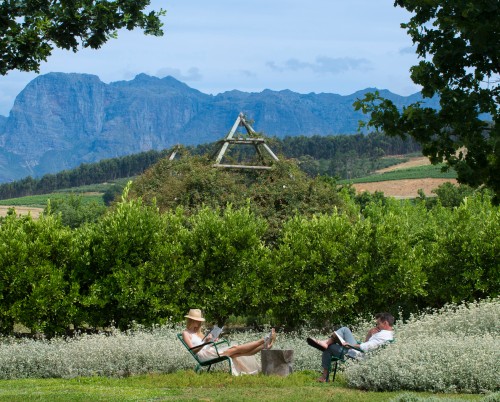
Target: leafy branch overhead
x=30 y=30
x=459 y=47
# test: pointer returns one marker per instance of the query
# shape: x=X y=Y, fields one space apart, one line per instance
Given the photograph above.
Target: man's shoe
x=314 y=344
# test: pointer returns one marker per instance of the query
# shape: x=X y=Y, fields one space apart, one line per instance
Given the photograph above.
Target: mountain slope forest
x=342 y=156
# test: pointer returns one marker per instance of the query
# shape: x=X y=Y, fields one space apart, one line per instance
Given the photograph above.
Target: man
x=343 y=338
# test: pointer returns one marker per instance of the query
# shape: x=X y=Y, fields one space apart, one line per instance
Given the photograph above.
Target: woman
x=242 y=356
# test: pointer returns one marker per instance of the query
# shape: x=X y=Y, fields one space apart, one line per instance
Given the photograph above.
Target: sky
x=333 y=46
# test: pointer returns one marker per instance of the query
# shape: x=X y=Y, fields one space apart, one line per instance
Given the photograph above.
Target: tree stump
x=277 y=361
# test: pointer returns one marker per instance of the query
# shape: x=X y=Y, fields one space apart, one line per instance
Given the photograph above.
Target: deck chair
x=207 y=363
x=342 y=358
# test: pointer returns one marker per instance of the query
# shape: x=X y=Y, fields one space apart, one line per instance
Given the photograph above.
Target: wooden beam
x=248 y=127
x=270 y=152
x=221 y=152
x=218 y=165
x=235 y=126
x=249 y=141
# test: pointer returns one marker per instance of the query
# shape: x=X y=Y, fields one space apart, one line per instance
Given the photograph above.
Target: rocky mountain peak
x=62 y=120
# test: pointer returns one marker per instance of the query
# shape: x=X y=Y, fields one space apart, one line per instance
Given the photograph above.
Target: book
x=215 y=332
x=338 y=339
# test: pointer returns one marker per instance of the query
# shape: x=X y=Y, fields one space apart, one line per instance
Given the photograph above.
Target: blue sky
x=334 y=46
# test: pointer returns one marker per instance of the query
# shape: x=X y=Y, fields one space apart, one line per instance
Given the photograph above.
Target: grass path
x=188 y=386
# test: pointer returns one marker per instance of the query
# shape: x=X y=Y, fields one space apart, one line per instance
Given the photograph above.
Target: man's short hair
x=388 y=317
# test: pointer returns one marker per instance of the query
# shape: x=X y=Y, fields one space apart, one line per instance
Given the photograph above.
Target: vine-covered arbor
x=252 y=139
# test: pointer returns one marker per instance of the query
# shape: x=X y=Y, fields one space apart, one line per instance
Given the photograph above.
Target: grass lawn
x=188 y=386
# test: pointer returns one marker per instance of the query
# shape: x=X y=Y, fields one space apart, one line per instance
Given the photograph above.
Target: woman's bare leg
x=251 y=352
x=250 y=348
x=245 y=349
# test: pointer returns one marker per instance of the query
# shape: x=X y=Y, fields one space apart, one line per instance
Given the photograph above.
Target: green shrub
x=463 y=263
x=319 y=267
x=225 y=251
x=74 y=211
x=35 y=289
x=129 y=267
x=398 y=242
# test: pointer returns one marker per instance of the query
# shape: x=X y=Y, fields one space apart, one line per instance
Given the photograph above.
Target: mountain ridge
x=61 y=120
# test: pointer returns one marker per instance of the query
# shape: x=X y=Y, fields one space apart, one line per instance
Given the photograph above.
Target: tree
x=35 y=290
x=30 y=29
x=275 y=195
x=75 y=211
x=226 y=251
x=318 y=269
x=459 y=44
x=129 y=267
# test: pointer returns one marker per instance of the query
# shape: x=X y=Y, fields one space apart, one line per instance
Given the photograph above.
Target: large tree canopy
x=31 y=29
x=459 y=44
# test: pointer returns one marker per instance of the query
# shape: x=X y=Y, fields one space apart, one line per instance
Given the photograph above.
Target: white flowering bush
x=116 y=354
x=120 y=354
x=409 y=397
x=455 y=349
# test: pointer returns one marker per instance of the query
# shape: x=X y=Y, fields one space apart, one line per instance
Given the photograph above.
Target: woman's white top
x=195 y=339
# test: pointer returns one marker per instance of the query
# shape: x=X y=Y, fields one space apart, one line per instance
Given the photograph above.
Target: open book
x=215 y=332
x=339 y=340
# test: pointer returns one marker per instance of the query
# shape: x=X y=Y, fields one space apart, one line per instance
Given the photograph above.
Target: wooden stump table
x=277 y=361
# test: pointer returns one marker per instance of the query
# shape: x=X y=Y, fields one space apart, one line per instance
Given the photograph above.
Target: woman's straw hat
x=195 y=314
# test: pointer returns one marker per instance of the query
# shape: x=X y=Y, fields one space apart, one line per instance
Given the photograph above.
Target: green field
x=40 y=201
x=188 y=386
x=88 y=193
x=419 y=172
x=96 y=188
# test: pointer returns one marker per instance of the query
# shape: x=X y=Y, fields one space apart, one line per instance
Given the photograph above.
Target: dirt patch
x=35 y=212
x=413 y=162
x=407 y=188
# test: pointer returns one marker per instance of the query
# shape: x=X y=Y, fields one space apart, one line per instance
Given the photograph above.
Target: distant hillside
x=62 y=120
x=343 y=156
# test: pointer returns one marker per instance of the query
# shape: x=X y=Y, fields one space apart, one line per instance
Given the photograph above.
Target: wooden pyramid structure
x=252 y=139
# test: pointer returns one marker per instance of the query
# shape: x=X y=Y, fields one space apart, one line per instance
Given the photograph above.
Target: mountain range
x=61 y=120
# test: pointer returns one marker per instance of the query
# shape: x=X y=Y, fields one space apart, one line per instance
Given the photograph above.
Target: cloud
x=408 y=50
x=193 y=74
x=323 y=65
x=248 y=73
